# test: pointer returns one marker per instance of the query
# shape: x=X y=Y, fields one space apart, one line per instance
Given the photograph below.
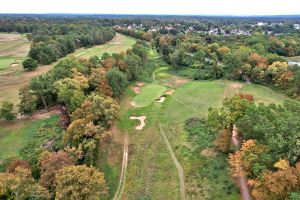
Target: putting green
x=148 y=94
x=5 y=62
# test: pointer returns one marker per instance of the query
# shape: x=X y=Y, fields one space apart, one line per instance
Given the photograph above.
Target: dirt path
x=44 y=114
x=119 y=192
x=244 y=188
x=176 y=162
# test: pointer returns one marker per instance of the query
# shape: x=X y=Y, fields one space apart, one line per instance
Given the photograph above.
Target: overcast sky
x=191 y=7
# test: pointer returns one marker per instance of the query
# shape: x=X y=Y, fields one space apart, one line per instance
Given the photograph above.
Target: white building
x=262 y=24
x=297 y=26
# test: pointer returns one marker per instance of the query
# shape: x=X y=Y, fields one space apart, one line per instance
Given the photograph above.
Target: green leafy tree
x=28 y=100
x=134 y=67
x=231 y=65
x=100 y=109
x=95 y=61
x=233 y=108
x=277 y=126
x=69 y=91
x=6 y=111
x=30 y=64
x=42 y=86
x=117 y=81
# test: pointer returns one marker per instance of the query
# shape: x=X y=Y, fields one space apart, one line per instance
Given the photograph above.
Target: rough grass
x=148 y=94
x=118 y=44
x=263 y=94
x=162 y=72
x=151 y=173
x=15 y=135
x=206 y=177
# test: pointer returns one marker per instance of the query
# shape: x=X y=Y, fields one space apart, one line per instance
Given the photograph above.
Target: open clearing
x=13 y=136
x=151 y=172
x=13 y=77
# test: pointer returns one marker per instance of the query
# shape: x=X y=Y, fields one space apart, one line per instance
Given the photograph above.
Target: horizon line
x=132 y=14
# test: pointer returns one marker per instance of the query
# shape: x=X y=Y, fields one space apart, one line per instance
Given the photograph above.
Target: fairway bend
x=242 y=181
x=119 y=192
x=176 y=162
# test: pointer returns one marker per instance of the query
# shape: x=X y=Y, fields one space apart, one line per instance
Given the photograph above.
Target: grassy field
x=15 y=135
x=12 y=77
x=151 y=172
x=5 y=62
x=263 y=94
x=118 y=44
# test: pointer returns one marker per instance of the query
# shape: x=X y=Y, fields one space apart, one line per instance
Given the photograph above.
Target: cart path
x=176 y=162
x=119 y=192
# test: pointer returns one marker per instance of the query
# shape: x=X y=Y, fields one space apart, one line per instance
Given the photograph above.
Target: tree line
x=54 y=38
x=256 y=58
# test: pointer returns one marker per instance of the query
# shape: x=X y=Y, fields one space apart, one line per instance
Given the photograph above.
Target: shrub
x=11 y=168
x=30 y=64
x=6 y=111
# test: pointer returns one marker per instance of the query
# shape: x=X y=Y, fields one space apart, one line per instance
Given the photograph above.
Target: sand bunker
x=180 y=81
x=136 y=90
x=142 y=121
x=140 y=84
x=14 y=65
x=170 y=92
x=161 y=99
x=236 y=86
x=133 y=104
